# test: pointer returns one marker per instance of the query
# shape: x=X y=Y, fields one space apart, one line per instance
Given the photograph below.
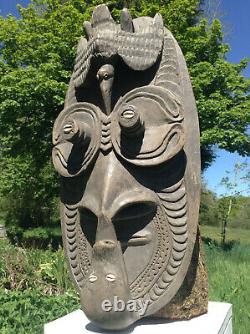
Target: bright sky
x=235 y=17
x=9 y=6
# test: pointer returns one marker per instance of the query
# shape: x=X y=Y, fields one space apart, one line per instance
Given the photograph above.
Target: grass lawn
x=229 y=281
x=236 y=234
x=229 y=274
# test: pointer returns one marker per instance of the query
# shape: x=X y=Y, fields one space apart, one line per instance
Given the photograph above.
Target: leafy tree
x=37 y=53
x=240 y=215
x=232 y=182
x=209 y=213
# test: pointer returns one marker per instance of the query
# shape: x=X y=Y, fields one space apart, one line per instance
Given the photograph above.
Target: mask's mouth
x=140 y=238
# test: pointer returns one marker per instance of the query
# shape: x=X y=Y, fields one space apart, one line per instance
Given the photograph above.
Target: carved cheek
x=137 y=237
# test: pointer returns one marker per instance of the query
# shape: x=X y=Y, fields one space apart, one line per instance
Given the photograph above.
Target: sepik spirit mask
x=127 y=148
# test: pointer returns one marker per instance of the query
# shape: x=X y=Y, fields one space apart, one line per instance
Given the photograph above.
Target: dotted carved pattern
x=172 y=231
x=149 y=276
x=76 y=244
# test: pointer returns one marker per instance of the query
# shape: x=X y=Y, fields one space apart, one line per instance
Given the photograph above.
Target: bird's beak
x=106 y=89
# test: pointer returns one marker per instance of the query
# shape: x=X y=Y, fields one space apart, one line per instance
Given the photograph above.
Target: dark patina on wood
x=127 y=148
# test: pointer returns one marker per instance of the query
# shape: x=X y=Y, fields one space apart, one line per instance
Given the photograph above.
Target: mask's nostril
x=105 y=245
x=108 y=243
x=92 y=278
x=104 y=248
x=110 y=278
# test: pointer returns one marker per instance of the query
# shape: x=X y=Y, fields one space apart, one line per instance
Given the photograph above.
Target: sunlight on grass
x=236 y=234
x=229 y=274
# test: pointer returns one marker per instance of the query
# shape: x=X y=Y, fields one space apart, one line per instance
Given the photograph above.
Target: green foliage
x=232 y=209
x=34 y=289
x=240 y=216
x=234 y=235
x=27 y=311
x=27 y=192
x=37 y=53
x=22 y=269
x=229 y=273
x=209 y=214
x=232 y=183
x=229 y=281
x=38 y=237
x=222 y=93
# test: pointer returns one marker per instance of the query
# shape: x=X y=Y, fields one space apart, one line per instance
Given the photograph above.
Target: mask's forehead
x=127 y=146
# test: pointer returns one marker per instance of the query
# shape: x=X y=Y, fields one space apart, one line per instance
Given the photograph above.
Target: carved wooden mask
x=127 y=148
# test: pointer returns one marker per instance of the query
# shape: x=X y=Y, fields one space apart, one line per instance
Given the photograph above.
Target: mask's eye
x=76 y=138
x=147 y=126
x=106 y=76
x=129 y=121
x=76 y=132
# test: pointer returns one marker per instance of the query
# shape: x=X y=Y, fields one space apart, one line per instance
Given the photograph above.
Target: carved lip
x=138 y=239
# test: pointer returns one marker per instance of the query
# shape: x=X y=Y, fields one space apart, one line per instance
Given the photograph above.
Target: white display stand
x=218 y=320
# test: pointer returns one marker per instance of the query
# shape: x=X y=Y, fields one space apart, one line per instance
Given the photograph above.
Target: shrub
x=34 y=288
x=22 y=269
x=26 y=312
x=39 y=237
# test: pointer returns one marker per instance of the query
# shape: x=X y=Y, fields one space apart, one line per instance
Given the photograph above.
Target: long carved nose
x=111 y=188
x=109 y=192
x=107 y=280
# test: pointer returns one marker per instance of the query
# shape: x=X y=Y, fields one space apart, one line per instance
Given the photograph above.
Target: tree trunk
x=224 y=224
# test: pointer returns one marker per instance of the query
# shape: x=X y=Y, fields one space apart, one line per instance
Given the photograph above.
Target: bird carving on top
x=130 y=40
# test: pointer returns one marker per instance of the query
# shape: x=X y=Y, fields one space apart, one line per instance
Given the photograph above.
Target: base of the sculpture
x=218 y=320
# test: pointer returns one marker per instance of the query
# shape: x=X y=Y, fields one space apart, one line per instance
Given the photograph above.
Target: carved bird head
x=106 y=72
x=105 y=75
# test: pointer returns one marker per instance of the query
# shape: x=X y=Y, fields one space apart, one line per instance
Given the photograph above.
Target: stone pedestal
x=218 y=320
